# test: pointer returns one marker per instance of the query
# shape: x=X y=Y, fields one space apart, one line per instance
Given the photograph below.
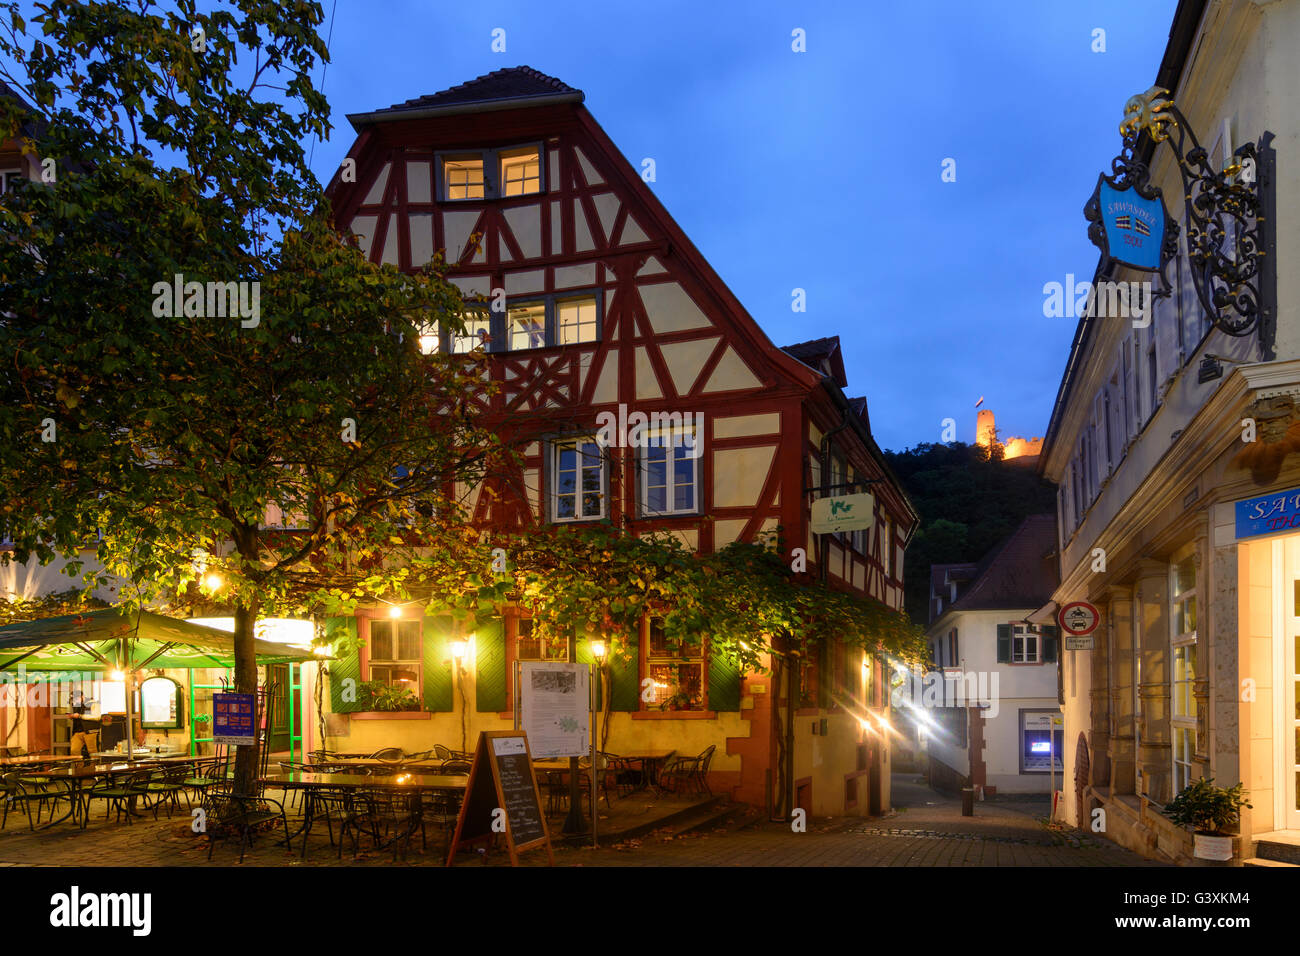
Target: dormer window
x=490 y=173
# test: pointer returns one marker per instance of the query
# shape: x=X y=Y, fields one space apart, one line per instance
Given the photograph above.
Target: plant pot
x=1210 y=846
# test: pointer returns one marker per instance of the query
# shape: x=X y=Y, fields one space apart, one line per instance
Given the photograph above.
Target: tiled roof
x=818 y=351
x=511 y=83
x=1020 y=572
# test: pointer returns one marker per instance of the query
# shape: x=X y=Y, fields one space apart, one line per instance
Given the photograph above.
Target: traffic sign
x=1078 y=618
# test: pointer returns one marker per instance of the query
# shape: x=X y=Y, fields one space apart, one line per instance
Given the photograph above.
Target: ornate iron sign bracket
x=1224 y=214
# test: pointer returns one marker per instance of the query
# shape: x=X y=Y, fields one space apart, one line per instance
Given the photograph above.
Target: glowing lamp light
x=598 y=650
x=459 y=649
x=395 y=611
x=213 y=581
x=116 y=674
x=321 y=650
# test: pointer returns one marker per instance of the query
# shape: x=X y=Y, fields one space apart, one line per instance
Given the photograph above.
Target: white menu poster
x=554 y=700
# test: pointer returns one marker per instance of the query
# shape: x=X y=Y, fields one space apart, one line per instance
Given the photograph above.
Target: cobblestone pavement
x=925 y=829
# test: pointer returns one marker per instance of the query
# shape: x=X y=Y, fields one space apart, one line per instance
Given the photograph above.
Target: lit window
x=477 y=334
x=527 y=326
x=1183 y=676
x=531 y=648
x=577 y=321
x=521 y=171
x=429 y=340
x=1041 y=744
x=676 y=672
x=463 y=176
x=670 y=474
x=395 y=653
x=579 y=480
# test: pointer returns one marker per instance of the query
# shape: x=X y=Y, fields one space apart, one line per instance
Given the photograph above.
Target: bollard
x=968 y=801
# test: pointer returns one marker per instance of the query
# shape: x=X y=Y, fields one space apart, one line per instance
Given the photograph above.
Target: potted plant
x=201 y=729
x=1207 y=810
x=382 y=696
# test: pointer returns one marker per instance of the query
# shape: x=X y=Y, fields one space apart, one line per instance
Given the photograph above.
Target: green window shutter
x=583 y=654
x=438 y=689
x=490 y=673
x=1004 y=643
x=1051 y=638
x=346 y=667
x=724 y=683
x=625 y=675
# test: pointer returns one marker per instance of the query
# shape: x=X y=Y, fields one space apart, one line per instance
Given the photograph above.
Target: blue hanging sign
x=1135 y=227
x=1269 y=514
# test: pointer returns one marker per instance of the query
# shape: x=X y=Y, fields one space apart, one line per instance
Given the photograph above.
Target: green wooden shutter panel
x=1004 y=643
x=346 y=667
x=625 y=683
x=1050 y=640
x=724 y=683
x=490 y=674
x=438 y=688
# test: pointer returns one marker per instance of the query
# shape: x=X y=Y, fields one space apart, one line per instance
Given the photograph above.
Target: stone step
x=1262 y=861
x=1275 y=850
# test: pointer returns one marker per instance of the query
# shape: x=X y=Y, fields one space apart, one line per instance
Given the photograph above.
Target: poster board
x=555 y=708
x=232 y=719
x=501 y=778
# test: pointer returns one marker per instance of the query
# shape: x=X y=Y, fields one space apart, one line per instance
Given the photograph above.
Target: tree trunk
x=246 y=762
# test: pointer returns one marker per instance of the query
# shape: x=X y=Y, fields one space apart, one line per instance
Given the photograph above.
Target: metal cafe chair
x=228 y=814
x=21 y=796
x=388 y=753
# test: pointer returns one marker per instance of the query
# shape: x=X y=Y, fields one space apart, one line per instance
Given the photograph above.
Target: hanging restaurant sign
x=1224 y=216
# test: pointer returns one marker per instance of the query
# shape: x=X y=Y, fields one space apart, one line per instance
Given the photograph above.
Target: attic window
x=521 y=171
x=463 y=176
x=490 y=173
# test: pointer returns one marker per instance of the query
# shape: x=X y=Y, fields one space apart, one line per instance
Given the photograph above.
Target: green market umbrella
x=117 y=638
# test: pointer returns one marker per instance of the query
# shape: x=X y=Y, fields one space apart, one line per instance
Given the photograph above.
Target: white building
x=999 y=674
x=1173 y=448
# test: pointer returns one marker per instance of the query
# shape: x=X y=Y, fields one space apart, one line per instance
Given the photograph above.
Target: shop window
x=1183 y=673
x=531 y=647
x=1040 y=743
x=677 y=672
x=396 y=654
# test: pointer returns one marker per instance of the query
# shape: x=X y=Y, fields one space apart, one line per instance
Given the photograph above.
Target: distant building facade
x=995 y=673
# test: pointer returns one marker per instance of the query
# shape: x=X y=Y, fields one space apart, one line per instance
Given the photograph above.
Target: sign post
x=845 y=513
x=502 y=797
x=1078 y=620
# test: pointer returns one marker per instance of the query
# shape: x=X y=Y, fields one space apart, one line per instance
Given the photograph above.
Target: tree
x=188 y=346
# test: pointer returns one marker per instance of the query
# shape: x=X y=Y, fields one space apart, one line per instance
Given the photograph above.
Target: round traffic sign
x=1078 y=618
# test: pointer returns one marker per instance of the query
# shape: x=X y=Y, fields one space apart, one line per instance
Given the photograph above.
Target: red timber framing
x=672 y=337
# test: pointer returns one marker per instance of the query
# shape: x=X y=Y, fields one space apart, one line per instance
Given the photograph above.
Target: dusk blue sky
x=821 y=170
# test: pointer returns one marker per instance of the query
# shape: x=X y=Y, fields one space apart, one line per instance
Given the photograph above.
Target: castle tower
x=985 y=432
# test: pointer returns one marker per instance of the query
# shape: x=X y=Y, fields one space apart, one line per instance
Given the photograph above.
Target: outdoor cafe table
x=74 y=776
x=650 y=761
x=31 y=759
x=309 y=781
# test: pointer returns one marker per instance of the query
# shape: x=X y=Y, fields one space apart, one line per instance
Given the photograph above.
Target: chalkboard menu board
x=502 y=797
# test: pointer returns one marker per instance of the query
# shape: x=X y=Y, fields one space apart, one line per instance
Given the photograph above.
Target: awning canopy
x=117 y=638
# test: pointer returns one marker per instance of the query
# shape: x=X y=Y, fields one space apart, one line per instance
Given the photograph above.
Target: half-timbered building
x=595 y=301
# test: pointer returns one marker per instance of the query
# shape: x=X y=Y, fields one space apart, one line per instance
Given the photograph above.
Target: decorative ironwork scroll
x=1224 y=214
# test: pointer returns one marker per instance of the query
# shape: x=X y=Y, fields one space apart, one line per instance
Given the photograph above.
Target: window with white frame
x=462 y=177
x=1026 y=646
x=1183 y=673
x=529 y=646
x=477 y=334
x=521 y=171
x=576 y=321
x=526 y=326
x=578 y=478
x=396 y=653
x=8 y=177
x=670 y=472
